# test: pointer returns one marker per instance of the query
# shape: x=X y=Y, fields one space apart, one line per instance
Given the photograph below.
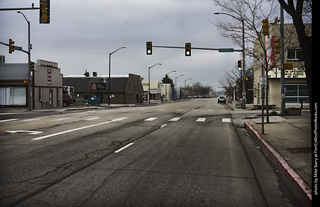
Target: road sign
x=17 y=48
x=226 y=50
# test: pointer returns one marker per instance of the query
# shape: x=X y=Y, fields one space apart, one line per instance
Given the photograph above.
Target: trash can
x=93 y=100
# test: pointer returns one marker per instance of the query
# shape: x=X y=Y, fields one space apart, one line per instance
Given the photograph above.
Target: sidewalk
x=287 y=139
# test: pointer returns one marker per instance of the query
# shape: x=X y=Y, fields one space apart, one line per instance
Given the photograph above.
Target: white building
x=166 y=91
x=155 y=91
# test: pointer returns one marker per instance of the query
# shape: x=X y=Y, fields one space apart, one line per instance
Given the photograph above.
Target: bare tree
x=252 y=12
x=300 y=11
x=232 y=80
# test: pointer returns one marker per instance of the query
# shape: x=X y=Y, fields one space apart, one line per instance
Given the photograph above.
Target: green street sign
x=226 y=50
x=17 y=48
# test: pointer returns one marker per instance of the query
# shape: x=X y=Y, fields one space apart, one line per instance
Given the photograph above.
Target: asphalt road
x=176 y=154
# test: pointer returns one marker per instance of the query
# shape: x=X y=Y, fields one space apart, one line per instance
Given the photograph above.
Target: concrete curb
x=300 y=189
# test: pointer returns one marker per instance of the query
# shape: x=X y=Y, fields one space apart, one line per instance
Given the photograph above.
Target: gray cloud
x=82 y=33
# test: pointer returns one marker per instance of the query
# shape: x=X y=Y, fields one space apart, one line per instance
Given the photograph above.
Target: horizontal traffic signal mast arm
x=10 y=9
x=194 y=48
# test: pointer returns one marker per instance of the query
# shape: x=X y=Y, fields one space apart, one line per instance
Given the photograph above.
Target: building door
x=50 y=98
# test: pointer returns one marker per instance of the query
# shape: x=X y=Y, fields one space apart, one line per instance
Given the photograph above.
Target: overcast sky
x=82 y=33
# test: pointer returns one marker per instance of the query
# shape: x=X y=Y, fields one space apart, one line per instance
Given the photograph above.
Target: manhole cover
x=299 y=150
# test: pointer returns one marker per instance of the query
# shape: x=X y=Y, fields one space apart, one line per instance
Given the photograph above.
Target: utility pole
x=149 y=93
x=283 y=94
x=109 y=99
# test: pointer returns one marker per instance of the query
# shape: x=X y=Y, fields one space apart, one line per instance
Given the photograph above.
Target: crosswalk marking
x=151 y=119
x=226 y=120
x=201 y=120
x=175 y=119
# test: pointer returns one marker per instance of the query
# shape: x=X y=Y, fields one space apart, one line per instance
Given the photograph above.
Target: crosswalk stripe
x=201 y=120
x=175 y=119
x=151 y=119
x=226 y=120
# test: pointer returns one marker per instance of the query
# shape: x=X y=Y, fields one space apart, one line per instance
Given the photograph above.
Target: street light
x=243 y=57
x=185 y=87
x=166 y=84
x=149 y=78
x=175 y=82
x=29 y=60
x=109 y=99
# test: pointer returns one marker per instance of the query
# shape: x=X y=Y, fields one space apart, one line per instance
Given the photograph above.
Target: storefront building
x=296 y=90
x=46 y=85
x=124 y=89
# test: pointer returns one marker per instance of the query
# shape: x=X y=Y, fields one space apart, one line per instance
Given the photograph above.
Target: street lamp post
x=166 y=84
x=243 y=57
x=185 y=87
x=175 y=82
x=109 y=99
x=149 y=79
x=29 y=60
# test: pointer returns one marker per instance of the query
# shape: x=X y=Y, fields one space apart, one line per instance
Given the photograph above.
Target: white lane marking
x=28 y=120
x=163 y=125
x=151 y=119
x=25 y=131
x=80 y=128
x=61 y=119
x=92 y=118
x=6 y=120
x=226 y=120
x=122 y=148
x=175 y=119
x=201 y=120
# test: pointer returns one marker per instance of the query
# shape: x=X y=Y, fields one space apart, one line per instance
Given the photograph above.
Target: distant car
x=221 y=99
x=67 y=100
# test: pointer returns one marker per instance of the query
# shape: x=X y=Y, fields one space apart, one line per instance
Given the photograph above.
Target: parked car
x=67 y=100
x=221 y=99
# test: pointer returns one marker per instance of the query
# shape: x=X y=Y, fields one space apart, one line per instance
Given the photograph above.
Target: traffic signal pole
x=29 y=63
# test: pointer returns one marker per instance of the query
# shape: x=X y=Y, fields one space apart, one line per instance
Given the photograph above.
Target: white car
x=221 y=99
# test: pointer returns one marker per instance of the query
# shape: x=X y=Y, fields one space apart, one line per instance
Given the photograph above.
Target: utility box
x=94 y=100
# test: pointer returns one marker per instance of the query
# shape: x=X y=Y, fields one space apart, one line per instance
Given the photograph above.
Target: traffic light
x=25 y=81
x=277 y=45
x=188 y=49
x=149 y=48
x=245 y=78
x=239 y=65
x=44 y=12
x=31 y=66
x=11 y=46
x=265 y=27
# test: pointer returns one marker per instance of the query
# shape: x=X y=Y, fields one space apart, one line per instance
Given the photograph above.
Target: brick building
x=124 y=89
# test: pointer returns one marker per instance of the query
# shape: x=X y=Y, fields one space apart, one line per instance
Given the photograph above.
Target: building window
x=294 y=54
x=13 y=96
x=295 y=93
x=40 y=94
